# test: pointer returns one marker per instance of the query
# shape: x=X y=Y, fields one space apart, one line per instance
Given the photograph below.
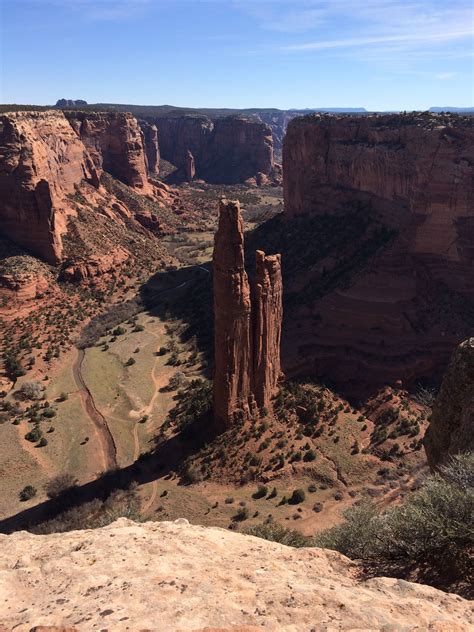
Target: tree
x=27 y=493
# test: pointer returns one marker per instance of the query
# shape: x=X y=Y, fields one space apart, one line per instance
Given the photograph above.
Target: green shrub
x=130 y=362
x=241 y=515
x=34 y=435
x=432 y=531
x=274 y=532
x=27 y=493
x=261 y=492
x=297 y=497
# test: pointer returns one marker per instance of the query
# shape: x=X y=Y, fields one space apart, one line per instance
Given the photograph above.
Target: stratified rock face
x=247 y=325
x=241 y=148
x=267 y=315
x=115 y=143
x=204 y=579
x=41 y=162
x=451 y=430
x=152 y=149
x=411 y=173
x=227 y=150
x=232 y=327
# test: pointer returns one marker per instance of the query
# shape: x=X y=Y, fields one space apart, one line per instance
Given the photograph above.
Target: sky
x=377 y=54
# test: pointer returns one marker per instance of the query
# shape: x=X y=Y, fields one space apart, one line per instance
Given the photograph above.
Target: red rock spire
x=247 y=330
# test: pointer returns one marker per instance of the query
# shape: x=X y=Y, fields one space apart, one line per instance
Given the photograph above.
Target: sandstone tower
x=247 y=323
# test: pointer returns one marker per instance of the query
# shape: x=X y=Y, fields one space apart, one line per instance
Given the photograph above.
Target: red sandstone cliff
x=451 y=428
x=115 y=143
x=41 y=162
x=247 y=325
x=399 y=316
x=227 y=150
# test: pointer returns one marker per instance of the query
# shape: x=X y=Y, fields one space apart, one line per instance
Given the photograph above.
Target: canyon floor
x=112 y=401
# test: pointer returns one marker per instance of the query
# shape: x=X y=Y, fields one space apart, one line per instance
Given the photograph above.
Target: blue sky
x=378 y=54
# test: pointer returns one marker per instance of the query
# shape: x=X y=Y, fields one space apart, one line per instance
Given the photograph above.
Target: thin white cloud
x=411 y=38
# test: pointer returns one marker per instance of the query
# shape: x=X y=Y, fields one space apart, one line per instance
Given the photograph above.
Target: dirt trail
x=106 y=440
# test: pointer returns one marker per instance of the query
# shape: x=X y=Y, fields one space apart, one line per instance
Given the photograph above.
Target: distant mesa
x=70 y=103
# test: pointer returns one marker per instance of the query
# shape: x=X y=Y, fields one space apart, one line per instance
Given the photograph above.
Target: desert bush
x=261 y=492
x=241 y=515
x=27 y=493
x=59 y=485
x=297 y=497
x=34 y=435
x=32 y=390
x=432 y=531
x=276 y=533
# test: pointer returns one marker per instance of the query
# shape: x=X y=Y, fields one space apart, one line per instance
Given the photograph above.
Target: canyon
x=226 y=150
x=247 y=323
x=405 y=184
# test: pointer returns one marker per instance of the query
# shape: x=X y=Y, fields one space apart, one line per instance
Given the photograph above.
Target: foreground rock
x=451 y=430
x=404 y=183
x=173 y=576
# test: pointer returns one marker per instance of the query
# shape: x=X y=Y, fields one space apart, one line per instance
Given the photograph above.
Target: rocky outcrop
x=247 y=325
x=410 y=174
x=226 y=151
x=41 y=162
x=70 y=103
x=232 y=327
x=267 y=316
x=451 y=429
x=152 y=149
x=101 y=579
x=116 y=144
x=190 y=167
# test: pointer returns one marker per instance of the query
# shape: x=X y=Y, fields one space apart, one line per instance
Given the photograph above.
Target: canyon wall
x=451 y=429
x=41 y=162
x=247 y=323
x=116 y=144
x=225 y=151
x=401 y=311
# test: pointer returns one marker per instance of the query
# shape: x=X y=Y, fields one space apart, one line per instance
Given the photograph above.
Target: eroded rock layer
x=451 y=430
x=115 y=143
x=400 y=304
x=247 y=324
x=41 y=162
x=102 y=579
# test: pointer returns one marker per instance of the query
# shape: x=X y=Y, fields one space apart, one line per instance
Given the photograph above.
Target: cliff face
x=247 y=324
x=451 y=429
x=115 y=143
x=47 y=580
x=225 y=151
x=399 y=316
x=41 y=162
x=152 y=149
